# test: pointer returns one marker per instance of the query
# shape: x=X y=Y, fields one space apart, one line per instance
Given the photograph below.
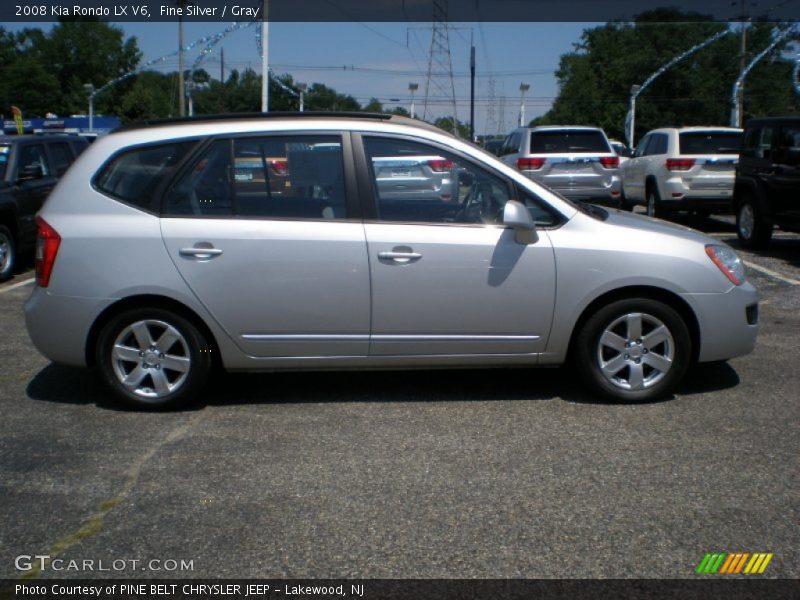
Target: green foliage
x=595 y=79
x=446 y=123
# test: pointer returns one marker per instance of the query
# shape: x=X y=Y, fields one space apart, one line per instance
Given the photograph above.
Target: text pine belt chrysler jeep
x=157 y=259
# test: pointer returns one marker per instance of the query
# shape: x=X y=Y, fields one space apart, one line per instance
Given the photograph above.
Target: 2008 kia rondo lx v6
x=160 y=254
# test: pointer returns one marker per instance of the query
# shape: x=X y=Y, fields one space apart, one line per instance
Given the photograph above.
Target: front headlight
x=728 y=262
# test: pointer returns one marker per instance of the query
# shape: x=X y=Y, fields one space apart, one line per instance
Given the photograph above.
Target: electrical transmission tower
x=439 y=84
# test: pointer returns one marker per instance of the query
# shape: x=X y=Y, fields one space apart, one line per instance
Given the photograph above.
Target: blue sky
x=506 y=55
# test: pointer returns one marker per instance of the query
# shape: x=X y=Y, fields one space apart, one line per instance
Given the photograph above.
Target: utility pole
x=265 y=58
x=471 y=90
x=181 y=89
x=412 y=87
x=523 y=87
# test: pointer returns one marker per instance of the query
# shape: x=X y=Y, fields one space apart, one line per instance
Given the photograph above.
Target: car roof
x=278 y=116
x=697 y=128
x=6 y=139
x=561 y=127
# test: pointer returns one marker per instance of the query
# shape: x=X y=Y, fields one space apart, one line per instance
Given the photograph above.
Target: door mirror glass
x=516 y=216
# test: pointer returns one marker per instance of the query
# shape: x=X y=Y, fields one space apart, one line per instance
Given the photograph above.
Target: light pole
x=523 y=87
x=635 y=89
x=90 y=90
x=302 y=87
x=412 y=87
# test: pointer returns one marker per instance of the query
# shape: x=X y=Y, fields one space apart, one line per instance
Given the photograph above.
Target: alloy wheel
x=635 y=351
x=747 y=221
x=151 y=358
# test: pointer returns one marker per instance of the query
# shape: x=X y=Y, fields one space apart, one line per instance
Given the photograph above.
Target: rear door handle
x=200 y=252
x=400 y=257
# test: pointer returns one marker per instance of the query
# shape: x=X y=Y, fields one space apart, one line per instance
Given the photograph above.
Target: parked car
x=30 y=165
x=577 y=162
x=621 y=149
x=153 y=264
x=767 y=188
x=689 y=168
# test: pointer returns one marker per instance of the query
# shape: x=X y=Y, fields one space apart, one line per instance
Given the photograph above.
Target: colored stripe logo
x=733 y=563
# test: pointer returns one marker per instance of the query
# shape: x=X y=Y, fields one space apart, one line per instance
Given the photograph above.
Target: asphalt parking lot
x=454 y=474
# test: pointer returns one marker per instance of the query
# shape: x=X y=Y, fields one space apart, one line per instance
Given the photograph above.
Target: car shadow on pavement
x=56 y=383
x=69 y=385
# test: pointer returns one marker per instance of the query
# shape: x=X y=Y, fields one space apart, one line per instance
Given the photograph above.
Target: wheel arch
x=148 y=301
x=669 y=298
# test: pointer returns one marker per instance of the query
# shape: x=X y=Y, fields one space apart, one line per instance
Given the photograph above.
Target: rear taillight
x=530 y=164
x=609 y=162
x=680 y=164
x=440 y=165
x=281 y=167
x=47 y=243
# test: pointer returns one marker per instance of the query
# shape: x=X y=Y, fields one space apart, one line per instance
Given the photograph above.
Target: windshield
x=5 y=154
x=709 y=142
x=568 y=140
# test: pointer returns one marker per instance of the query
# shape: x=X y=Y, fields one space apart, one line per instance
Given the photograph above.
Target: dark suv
x=30 y=166
x=767 y=188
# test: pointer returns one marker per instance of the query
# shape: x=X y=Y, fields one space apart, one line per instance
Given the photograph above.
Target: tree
x=446 y=123
x=322 y=98
x=374 y=105
x=595 y=79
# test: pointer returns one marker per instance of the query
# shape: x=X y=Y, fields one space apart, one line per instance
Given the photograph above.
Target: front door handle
x=400 y=256
x=202 y=253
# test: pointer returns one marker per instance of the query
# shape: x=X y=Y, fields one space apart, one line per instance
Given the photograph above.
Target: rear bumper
x=728 y=322
x=59 y=325
x=609 y=190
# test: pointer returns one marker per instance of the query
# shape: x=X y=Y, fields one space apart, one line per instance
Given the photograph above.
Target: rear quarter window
x=134 y=175
x=554 y=142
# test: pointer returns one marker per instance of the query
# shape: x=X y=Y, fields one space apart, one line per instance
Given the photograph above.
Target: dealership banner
x=395 y=589
x=381 y=10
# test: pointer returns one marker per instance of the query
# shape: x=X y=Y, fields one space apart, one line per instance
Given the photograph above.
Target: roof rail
x=248 y=116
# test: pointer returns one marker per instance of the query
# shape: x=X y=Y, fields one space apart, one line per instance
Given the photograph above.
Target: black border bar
x=389 y=10
x=745 y=588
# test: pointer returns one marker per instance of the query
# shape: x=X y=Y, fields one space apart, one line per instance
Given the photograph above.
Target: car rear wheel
x=8 y=253
x=751 y=228
x=654 y=208
x=153 y=358
x=633 y=350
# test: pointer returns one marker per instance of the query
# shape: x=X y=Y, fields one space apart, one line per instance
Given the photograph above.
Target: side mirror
x=516 y=216
x=30 y=172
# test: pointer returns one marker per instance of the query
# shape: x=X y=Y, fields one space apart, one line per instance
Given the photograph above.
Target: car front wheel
x=751 y=228
x=153 y=358
x=633 y=350
x=7 y=253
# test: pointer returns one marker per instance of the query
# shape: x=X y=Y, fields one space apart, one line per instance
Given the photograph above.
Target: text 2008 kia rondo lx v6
x=160 y=253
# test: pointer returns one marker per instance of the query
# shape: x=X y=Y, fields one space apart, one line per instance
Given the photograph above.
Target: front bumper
x=728 y=322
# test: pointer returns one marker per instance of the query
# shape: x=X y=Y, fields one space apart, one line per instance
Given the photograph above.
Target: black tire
x=588 y=351
x=753 y=230
x=191 y=345
x=8 y=253
x=653 y=203
x=622 y=203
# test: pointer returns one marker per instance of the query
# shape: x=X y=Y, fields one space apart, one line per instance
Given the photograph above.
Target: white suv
x=691 y=168
x=577 y=162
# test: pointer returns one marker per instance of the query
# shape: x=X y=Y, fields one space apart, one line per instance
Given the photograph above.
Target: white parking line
x=771 y=273
x=17 y=285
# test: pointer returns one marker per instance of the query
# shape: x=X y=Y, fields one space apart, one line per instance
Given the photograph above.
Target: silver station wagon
x=156 y=259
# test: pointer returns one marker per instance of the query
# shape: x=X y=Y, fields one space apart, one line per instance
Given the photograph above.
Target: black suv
x=767 y=188
x=30 y=165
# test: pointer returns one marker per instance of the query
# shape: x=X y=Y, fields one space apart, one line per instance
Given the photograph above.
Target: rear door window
x=709 y=142
x=61 y=157
x=556 y=142
x=272 y=177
